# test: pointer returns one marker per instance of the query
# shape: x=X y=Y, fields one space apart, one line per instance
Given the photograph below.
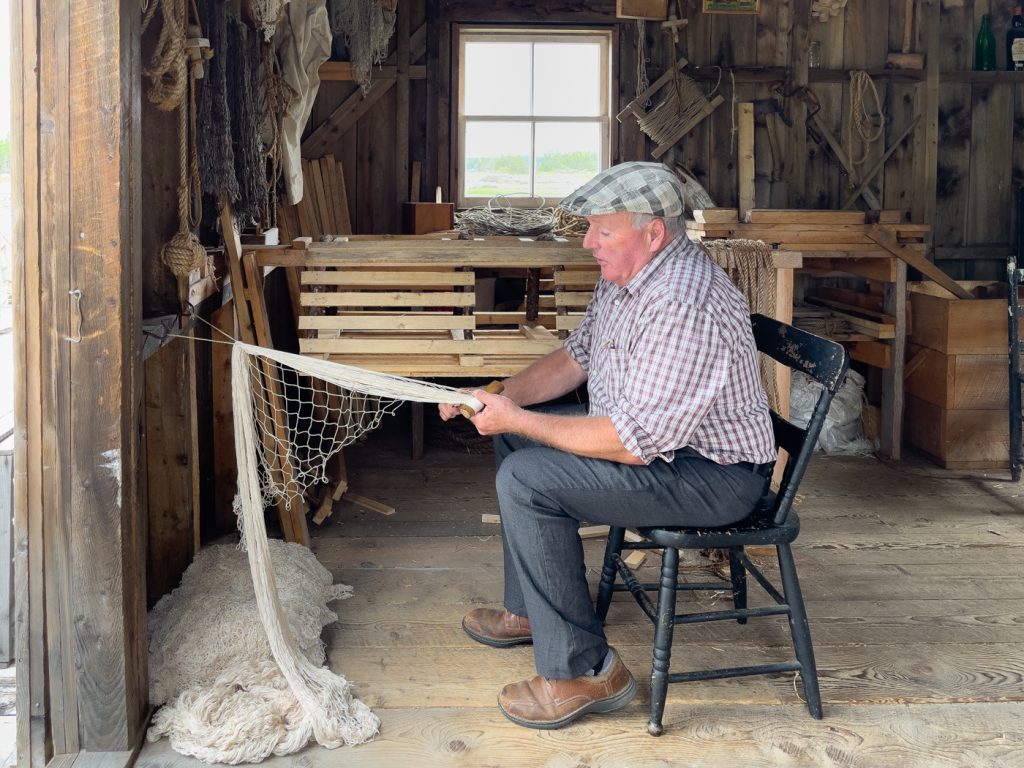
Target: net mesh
x=306 y=410
x=281 y=450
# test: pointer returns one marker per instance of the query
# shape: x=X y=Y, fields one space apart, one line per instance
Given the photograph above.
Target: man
x=677 y=433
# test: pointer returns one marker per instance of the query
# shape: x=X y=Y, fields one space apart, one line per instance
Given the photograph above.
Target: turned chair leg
x=800 y=631
x=663 y=638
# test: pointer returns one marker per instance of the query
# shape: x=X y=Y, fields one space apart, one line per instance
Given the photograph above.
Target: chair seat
x=757 y=528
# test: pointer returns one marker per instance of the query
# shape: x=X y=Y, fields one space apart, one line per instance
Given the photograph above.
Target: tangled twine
x=569 y=224
x=492 y=219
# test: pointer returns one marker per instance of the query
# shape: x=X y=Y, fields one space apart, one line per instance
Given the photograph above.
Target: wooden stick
x=469 y=411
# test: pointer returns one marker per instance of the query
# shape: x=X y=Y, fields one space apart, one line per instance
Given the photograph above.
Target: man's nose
x=588 y=239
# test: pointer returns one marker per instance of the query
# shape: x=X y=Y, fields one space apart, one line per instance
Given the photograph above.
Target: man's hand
x=499 y=414
x=450 y=411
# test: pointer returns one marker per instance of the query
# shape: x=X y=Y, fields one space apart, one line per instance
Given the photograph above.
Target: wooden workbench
x=408 y=305
x=875 y=245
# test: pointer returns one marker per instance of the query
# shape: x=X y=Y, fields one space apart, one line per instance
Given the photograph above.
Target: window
x=533 y=113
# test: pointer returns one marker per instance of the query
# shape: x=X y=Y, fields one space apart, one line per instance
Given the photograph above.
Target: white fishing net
x=238 y=689
x=367 y=27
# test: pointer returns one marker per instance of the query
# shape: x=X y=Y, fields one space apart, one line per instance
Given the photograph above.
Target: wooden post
x=746 y=159
x=81 y=622
x=892 y=377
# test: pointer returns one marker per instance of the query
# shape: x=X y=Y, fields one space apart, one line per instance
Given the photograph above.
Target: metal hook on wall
x=76 y=294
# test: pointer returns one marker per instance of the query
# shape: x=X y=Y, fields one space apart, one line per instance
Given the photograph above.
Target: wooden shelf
x=778 y=74
x=970 y=76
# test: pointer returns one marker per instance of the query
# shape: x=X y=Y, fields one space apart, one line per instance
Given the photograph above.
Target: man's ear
x=658 y=234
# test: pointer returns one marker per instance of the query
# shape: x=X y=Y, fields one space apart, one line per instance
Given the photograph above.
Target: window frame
x=479 y=32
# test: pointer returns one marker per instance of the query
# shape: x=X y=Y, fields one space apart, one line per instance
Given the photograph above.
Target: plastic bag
x=842 y=432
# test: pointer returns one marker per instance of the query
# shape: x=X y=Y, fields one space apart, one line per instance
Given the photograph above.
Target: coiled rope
x=860 y=120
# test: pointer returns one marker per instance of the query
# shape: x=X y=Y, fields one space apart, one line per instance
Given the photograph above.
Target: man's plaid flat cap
x=633 y=187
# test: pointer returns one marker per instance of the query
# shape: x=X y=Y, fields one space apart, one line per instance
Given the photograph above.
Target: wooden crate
x=641 y=9
x=958 y=326
x=959 y=439
x=421 y=218
x=960 y=382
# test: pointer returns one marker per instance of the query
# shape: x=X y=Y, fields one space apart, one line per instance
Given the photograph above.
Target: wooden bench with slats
x=408 y=305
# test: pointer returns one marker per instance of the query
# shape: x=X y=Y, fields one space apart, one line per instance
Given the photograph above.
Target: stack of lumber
x=809 y=231
x=323 y=209
x=956 y=376
x=859 y=311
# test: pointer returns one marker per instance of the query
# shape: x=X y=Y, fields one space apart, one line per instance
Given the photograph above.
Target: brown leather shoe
x=497 y=627
x=549 y=704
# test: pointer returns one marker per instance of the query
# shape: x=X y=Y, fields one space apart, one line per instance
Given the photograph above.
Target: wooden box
x=959 y=439
x=641 y=9
x=421 y=218
x=959 y=326
x=978 y=382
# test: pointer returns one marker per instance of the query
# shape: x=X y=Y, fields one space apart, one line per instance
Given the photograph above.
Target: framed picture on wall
x=732 y=6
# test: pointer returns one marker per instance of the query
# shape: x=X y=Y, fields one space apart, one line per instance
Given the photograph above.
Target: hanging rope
x=167 y=66
x=860 y=120
x=170 y=75
x=748 y=263
x=642 y=81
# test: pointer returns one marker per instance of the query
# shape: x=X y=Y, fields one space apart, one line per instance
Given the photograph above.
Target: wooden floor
x=913 y=582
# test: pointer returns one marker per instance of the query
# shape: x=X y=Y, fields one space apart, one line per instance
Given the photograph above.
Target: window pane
x=567 y=79
x=568 y=155
x=497 y=159
x=497 y=79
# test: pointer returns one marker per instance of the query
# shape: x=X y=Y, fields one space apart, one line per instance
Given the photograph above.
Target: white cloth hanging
x=303 y=41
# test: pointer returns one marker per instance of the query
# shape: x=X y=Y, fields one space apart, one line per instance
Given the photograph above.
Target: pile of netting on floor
x=235 y=653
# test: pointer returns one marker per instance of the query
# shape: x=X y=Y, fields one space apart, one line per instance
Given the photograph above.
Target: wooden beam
x=885 y=238
x=402 y=104
x=104 y=525
x=33 y=722
x=341 y=71
x=796 y=170
x=355 y=106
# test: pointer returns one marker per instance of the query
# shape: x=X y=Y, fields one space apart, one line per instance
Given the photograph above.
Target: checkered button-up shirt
x=670 y=358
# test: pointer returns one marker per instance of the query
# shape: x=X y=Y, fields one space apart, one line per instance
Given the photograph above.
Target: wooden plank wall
x=966 y=180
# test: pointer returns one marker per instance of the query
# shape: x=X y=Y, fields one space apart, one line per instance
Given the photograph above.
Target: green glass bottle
x=985 y=46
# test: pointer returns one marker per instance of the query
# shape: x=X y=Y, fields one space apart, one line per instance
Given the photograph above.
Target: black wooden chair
x=771 y=523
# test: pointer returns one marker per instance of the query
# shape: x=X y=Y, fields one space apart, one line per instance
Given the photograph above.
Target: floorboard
x=914 y=590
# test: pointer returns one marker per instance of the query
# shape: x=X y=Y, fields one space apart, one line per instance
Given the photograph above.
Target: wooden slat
x=575 y=279
x=382 y=279
x=396 y=322
x=389 y=299
x=32 y=731
x=54 y=233
x=573 y=298
x=512 y=346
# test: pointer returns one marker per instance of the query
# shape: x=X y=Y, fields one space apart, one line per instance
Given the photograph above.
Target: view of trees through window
x=533 y=114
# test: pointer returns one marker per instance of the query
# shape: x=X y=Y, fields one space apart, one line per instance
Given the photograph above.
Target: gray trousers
x=544 y=493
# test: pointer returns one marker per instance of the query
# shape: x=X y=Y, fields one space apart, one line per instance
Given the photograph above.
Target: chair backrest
x=825 y=362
